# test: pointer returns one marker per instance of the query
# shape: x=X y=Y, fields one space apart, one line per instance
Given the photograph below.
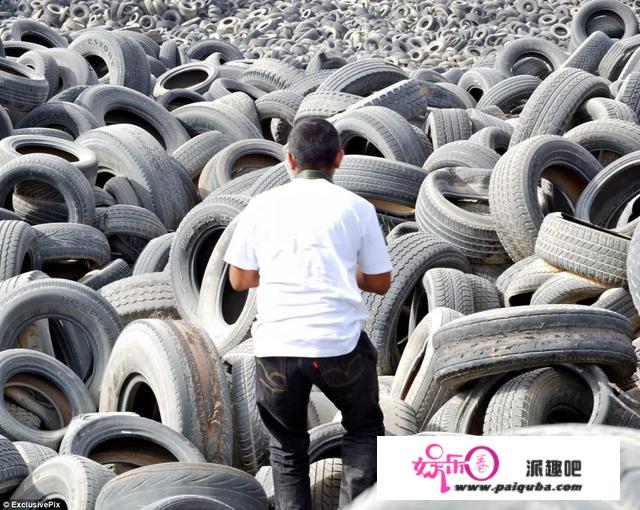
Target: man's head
x=314 y=144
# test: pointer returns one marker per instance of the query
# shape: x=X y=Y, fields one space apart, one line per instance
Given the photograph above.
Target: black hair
x=314 y=143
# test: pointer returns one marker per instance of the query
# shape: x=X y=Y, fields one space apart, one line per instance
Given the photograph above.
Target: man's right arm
x=373 y=271
x=377 y=283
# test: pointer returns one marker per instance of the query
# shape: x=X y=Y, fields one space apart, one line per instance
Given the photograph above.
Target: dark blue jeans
x=350 y=381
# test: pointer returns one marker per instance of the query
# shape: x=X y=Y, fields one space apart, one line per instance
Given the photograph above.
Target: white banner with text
x=499 y=468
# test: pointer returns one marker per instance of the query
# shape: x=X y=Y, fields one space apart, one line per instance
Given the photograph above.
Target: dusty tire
x=149 y=484
x=572 y=334
x=194 y=400
x=70 y=478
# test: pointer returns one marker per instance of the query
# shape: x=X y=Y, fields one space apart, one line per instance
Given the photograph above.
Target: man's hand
x=377 y=283
x=243 y=279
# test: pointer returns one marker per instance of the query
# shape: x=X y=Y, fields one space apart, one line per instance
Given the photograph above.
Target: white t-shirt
x=305 y=238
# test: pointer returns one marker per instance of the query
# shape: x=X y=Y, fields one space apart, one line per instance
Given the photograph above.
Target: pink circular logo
x=481 y=463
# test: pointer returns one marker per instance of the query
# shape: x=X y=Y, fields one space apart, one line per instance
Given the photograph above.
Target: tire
x=155 y=255
x=187 y=503
x=251 y=438
x=620 y=301
x=144 y=296
x=552 y=106
x=271 y=74
x=130 y=224
x=411 y=255
x=237 y=159
x=195 y=401
x=199 y=118
x=325 y=476
x=18 y=248
x=543 y=396
x=485 y=294
x=14 y=469
x=193 y=155
x=121 y=61
x=37 y=32
x=110 y=103
x=168 y=54
x=122 y=191
x=510 y=94
x=399 y=417
x=606 y=196
x=445 y=95
x=464 y=412
x=60 y=242
x=152 y=483
x=174 y=99
x=448 y=288
x=192 y=248
x=473 y=233
x=515 y=51
x=131 y=152
x=493 y=138
x=589 y=53
x=325 y=104
x=579 y=30
x=404 y=97
x=21 y=88
x=568 y=289
x=202 y=49
x=194 y=76
x=35 y=131
x=583 y=249
x=310 y=83
x=514 y=185
x=6 y=126
x=606 y=140
x=461 y=154
x=68 y=301
x=448 y=125
x=363 y=77
x=479 y=80
x=110 y=273
x=390 y=185
x=223 y=87
x=34 y=454
x=279 y=104
x=599 y=108
x=75 y=74
x=391 y=134
x=633 y=268
x=153 y=442
x=80 y=157
x=74 y=118
x=616 y=59
x=74 y=480
x=414 y=377
x=64 y=389
x=490 y=343
x=518 y=283
x=629 y=92
x=271 y=178
x=225 y=314
x=43 y=64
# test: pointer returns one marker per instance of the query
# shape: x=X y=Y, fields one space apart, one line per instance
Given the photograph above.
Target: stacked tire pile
x=412 y=34
x=508 y=193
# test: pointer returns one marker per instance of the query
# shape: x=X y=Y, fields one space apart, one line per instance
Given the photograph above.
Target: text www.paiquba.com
x=517 y=487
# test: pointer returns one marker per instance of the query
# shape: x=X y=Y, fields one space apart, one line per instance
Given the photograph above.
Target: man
x=310 y=246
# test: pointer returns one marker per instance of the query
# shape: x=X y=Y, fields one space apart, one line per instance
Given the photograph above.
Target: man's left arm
x=241 y=255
